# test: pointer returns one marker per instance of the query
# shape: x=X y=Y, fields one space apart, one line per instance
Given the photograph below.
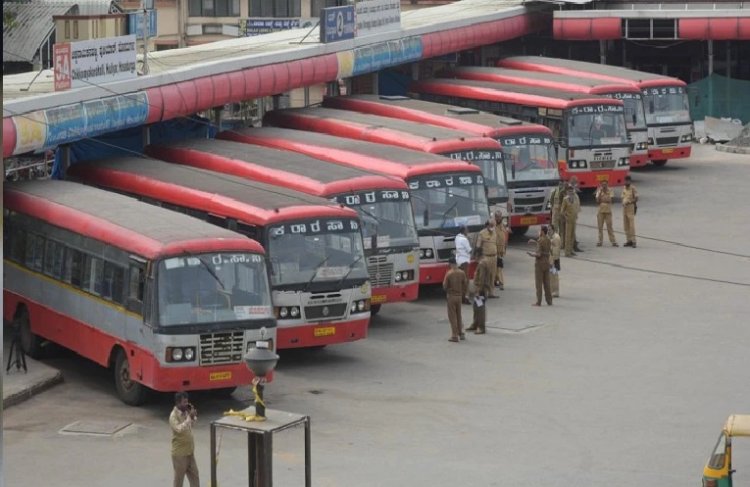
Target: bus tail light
x=180 y=354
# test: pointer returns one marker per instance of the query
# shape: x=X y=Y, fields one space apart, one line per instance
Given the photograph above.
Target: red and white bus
x=635 y=118
x=480 y=150
x=445 y=193
x=528 y=149
x=590 y=130
x=665 y=100
x=319 y=282
x=169 y=302
x=383 y=204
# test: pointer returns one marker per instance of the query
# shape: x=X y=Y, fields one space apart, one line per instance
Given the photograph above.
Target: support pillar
x=146 y=135
x=415 y=71
x=375 y=83
x=306 y=91
x=602 y=52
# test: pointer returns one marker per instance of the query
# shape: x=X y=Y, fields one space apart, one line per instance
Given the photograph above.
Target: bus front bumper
x=320 y=334
x=395 y=293
x=669 y=153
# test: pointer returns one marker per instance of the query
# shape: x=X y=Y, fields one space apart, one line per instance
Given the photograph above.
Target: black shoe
x=633 y=245
x=462 y=336
x=577 y=249
x=628 y=244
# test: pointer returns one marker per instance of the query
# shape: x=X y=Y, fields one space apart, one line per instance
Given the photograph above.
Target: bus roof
x=384 y=130
x=507 y=93
x=229 y=196
x=576 y=84
x=458 y=118
x=385 y=159
x=274 y=166
x=119 y=220
x=593 y=70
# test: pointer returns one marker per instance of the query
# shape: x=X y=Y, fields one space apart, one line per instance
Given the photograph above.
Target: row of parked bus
x=326 y=214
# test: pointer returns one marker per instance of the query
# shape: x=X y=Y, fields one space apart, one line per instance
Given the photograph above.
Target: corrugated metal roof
x=32 y=24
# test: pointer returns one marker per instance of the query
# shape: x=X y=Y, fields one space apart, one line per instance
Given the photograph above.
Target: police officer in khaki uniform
x=569 y=214
x=488 y=241
x=482 y=288
x=503 y=232
x=604 y=197
x=456 y=287
x=554 y=277
x=556 y=198
x=629 y=207
x=541 y=266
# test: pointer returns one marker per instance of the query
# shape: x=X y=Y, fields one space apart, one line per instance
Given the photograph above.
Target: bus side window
x=73 y=267
x=250 y=231
x=34 y=251
x=17 y=244
x=136 y=281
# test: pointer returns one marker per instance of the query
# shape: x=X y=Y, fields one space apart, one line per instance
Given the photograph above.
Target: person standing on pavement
x=482 y=287
x=181 y=420
x=456 y=286
x=541 y=266
x=629 y=208
x=554 y=277
x=569 y=214
x=463 y=254
x=556 y=199
x=503 y=232
x=488 y=242
x=604 y=197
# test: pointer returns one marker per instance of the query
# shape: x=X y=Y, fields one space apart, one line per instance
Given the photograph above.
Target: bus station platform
x=18 y=386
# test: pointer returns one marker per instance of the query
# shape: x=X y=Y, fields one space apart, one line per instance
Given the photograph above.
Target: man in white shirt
x=463 y=252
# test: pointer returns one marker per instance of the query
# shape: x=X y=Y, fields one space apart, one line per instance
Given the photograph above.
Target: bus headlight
x=428 y=253
x=283 y=312
x=404 y=276
x=180 y=354
x=577 y=164
x=361 y=305
x=641 y=146
x=650 y=141
x=353 y=307
x=294 y=312
x=623 y=161
x=397 y=277
x=686 y=138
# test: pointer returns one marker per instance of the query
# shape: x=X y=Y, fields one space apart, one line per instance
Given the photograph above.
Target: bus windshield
x=596 y=125
x=530 y=158
x=666 y=105
x=492 y=166
x=449 y=200
x=314 y=251
x=635 y=115
x=212 y=288
x=387 y=224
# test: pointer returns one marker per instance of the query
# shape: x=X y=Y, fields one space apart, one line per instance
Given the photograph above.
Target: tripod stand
x=15 y=348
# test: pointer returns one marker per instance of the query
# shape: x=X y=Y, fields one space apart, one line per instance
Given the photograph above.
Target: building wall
x=71 y=28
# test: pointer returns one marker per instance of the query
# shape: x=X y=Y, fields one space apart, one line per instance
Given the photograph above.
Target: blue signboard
x=94 y=117
x=135 y=23
x=384 y=54
x=337 y=23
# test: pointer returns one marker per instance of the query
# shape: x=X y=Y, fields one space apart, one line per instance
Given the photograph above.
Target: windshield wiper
x=212 y=272
x=445 y=213
x=349 y=271
x=315 y=273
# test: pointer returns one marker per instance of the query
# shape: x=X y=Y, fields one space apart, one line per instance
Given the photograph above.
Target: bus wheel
x=374 y=308
x=659 y=162
x=30 y=343
x=520 y=231
x=130 y=392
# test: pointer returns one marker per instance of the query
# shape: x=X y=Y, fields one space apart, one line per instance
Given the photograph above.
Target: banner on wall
x=376 y=16
x=384 y=54
x=94 y=61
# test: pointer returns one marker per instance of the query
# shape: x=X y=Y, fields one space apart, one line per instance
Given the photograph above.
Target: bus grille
x=667 y=140
x=602 y=164
x=326 y=312
x=380 y=271
x=221 y=348
x=528 y=201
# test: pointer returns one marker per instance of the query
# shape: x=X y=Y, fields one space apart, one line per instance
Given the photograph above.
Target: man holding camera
x=183 y=447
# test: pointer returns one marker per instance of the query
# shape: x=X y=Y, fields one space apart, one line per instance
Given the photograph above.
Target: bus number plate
x=667 y=151
x=378 y=298
x=220 y=376
x=528 y=220
x=324 y=331
x=602 y=177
